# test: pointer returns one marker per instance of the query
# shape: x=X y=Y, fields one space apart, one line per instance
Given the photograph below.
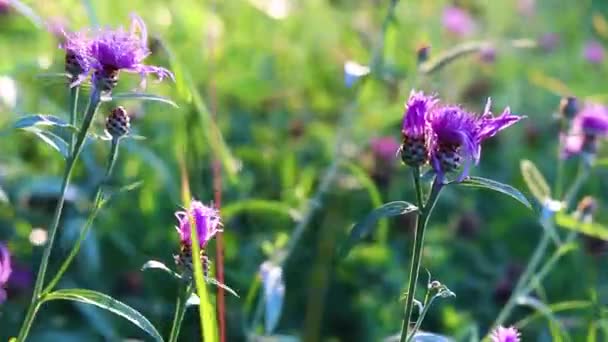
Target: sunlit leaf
x=141 y=97
x=484 y=183
x=51 y=139
x=535 y=181
x=157 y=265
x=592 y=229
x=364 y=228
x=107 y=303
x=41 y=120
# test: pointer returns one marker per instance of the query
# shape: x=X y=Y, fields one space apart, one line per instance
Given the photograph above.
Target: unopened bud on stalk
x=423 y=53
x=586 y=208
x=568 y=107
x=118 y=123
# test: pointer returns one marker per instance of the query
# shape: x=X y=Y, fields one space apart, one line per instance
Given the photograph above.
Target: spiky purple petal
x=502 y=334
x=206 y=219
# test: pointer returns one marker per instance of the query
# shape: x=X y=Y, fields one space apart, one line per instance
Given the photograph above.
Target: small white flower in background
x=276 y=9
x=8 y=92
x=353 y=71
x=274 y=293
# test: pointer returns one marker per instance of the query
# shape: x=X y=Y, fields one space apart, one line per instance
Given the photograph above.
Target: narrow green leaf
x=592 y=229
x=107 y=303
x=142 y=97
x=28 y=12
x=544 y=310
x=213 y=281
x=157 y=265
x=535 y=181
x=51 y=139
x=41 y=120
x=484 y=183
x=374 y=195
x=364 y=228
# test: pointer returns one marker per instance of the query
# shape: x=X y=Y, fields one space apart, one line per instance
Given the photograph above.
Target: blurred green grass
x=279 y=95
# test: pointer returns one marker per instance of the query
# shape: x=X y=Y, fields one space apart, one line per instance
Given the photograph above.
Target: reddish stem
x=217 y=195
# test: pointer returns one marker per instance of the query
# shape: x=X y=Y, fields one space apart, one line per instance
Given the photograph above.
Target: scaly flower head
x=5 y=270
x=457 y=136
x=414 y=151
x=502 y=334
x=206 y=219
x=77 y=59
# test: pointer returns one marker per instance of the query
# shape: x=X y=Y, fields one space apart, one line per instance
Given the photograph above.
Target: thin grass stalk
x=184 y=292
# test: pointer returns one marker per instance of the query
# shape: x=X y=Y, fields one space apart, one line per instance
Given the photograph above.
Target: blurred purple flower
x=5 y=270
x=502 y=334
x=589 y=125
x=487 y=54
x=207 y=222
x=593 y=52
x=549 y=41
x=385 y=148
x=457 y=135
x=457 y=21
x=114 y=50
x=5 y=6
x=526 y=7
x=21 y=278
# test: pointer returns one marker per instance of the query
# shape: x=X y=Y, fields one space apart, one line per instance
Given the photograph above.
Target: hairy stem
x=423 y=217
x=78 y=145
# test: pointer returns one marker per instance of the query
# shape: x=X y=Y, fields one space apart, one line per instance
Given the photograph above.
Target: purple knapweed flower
x=5 y=270
x=414 y=150
x=206 y=219
x=457 y=21
x=588 y=126
x=593 y=52
x=502 y=334
x=111 y=51
x=457 y=135
x=77 y=58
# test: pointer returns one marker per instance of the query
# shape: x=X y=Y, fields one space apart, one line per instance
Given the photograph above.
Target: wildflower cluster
x=447 y=136
x=103 y=53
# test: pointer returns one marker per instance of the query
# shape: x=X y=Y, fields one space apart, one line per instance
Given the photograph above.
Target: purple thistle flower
x=77 y=59
x=206 y=219
x=590 y=124
x=113 y=50
x=457 y=135
x=502 y=334
x=457 y=21
x=414 y=151
x=5 y=270
x=549 y=41
x=593 y=52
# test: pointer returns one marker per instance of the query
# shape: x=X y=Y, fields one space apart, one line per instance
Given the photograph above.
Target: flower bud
x=568 y=107
x=118 y=123
x=72 y=66
x=423 y=53
x=414 y=151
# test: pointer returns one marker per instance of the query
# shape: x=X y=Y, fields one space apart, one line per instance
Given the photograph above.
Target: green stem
x=85 y=229
x=73 y=107
x=423 y=218
x=35 y=303
x=180 y=310
x=524 y=286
